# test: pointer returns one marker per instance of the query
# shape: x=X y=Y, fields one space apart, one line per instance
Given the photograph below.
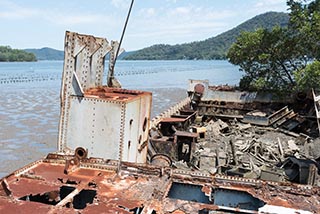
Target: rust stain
x=114 y=94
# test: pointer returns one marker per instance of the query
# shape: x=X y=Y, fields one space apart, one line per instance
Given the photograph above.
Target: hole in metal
x=144 y=124
x=81 y=153
x=79 y=201
x=188 y=192
x=140 y=137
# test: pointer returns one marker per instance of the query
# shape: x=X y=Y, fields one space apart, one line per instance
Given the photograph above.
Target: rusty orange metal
x=127 y=187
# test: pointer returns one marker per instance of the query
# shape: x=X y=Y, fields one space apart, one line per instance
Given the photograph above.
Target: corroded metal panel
x=144 y=125
x=95 y=125
x=109 y=123
x=99 y=121
x=83 y=68
x=135 y=138
x=131 y=136
x=96 y=187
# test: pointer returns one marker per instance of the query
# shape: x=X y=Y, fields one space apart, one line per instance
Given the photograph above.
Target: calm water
x=132 y=74
x=29 y=99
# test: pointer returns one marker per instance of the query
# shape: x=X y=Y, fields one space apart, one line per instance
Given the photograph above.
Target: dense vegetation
x=47 y=53
x=7 y=54
x=212 y=48
x=282 y=59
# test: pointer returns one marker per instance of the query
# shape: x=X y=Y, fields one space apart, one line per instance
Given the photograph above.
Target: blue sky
x=42 y=23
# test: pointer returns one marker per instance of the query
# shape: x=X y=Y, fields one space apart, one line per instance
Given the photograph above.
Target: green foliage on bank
x=282 y=59
x=309 y=77
x=211 y=48
x=7 y=54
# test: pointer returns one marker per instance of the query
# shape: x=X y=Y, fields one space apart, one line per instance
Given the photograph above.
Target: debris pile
x=248 y=151
x=271 y=142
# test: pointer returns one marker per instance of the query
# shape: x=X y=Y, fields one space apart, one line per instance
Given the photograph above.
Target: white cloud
x=182 y=10
x=151 y=11
x=172 y=1
x=123 y=4
x=147 y=12
x=16 y=14
x=269 y=2
x=180 y=24
x=66 y=19
x=10 y=10
x=179 y=30
x=13 y=11
x=199 y=13
x=270 y=5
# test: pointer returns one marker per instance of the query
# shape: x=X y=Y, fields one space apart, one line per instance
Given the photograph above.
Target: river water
x=30 y=105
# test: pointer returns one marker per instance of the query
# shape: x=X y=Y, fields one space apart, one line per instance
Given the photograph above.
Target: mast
x=111 y=81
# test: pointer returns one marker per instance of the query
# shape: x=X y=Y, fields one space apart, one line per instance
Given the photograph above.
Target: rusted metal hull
x=111 y=160
x=98 y=186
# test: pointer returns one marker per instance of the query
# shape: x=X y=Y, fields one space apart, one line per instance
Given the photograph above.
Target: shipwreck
x=217 y=151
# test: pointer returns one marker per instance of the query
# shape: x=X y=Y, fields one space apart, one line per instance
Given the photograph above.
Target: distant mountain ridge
x=53 y=54
x=211 y=48
x=46 y=53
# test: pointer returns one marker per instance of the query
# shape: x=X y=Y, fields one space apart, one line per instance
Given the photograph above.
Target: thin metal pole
x=123 y=31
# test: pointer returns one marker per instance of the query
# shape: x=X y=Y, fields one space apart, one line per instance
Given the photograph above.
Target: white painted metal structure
x=317 y=107
x=102 y=122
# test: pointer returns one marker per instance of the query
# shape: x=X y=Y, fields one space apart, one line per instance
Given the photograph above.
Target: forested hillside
x=212 y=48
x=47 y=53
x=7 y=54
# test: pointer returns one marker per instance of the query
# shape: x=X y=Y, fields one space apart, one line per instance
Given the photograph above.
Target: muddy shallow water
x=30 y=118
x=30 y=103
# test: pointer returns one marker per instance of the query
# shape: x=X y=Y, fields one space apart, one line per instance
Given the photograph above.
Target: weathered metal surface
x=106 y=122
x=192 y=84
x=316 y=99
x=161 y=160
x=97 y=187
x=83 y=68
x=174 y=109
x=111 y=80
x=275 y=119
x=169 y=125
x=229 y=94
x=231 y=147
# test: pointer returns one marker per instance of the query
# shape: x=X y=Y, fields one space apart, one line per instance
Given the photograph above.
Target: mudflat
x=30 y=117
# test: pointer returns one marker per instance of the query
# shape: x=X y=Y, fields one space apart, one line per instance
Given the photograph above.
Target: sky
x=42 y=23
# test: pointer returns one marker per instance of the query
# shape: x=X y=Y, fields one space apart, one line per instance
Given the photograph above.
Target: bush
x=309 y=77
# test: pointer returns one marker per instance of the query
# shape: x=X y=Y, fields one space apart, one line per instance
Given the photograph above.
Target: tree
x=270 y=58
x=309 y=77
x=7 y=54
x=304 y=24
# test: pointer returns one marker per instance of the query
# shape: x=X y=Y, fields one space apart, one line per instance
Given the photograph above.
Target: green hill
x=47 y=53
x=212 y=48
x=125 y=54
x=53 y=54
x=7 y=54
